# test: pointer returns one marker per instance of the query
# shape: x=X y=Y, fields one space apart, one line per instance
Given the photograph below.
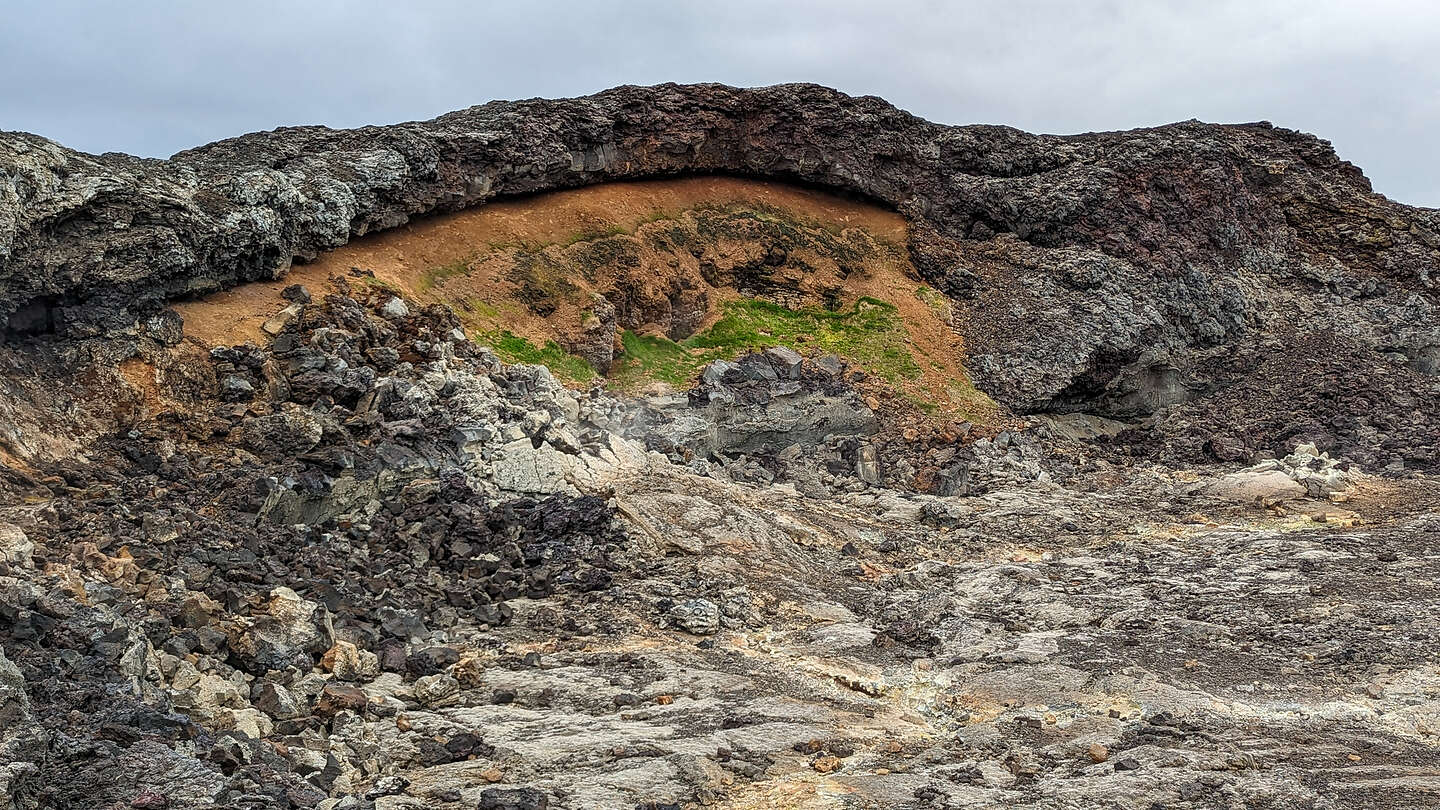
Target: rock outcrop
x=356 y=562
x=1110 y=272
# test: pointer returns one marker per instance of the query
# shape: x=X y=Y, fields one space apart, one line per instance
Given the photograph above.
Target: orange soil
x=401 y=256
x=406 y=258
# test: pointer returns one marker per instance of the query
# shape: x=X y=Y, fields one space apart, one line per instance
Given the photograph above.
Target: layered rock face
x=351 y=560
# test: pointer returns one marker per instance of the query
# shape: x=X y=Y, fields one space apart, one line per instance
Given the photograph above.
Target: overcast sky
x=152 y=77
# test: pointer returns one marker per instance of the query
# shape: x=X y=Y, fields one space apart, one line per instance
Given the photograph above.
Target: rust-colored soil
x=488 y=263
x=402 y=256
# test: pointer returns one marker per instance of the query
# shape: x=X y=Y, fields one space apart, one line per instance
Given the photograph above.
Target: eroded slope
x=648 y=282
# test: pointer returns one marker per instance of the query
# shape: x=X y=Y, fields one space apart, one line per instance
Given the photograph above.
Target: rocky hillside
x=693 y=446
x=1118 y=273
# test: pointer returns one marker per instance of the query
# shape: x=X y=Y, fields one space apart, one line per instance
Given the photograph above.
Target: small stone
x=15 y=547
x=469 y=672
x=335 y=698
x=436 y=690
x=431 y=660
x=699 y=617
x=234 y=388
x=830 y=365
x=492 y=775
x=282 y=320
x=825 y=764
x=1098 y=752
x=350 y=663
x=395 y=309
x=392 y=655
x=387 y=786
x=296 y=293
x=1128 y=764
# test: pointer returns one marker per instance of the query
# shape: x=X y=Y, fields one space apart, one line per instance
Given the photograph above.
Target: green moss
x=482 y=308
x=513 y=348
x=934 y=299
x=649 y=358
x=870 y=334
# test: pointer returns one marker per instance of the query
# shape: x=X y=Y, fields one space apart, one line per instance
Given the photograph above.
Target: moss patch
x=515 y=349
x=870 y=334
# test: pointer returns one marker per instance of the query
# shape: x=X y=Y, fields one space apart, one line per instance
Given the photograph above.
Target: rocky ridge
x=1121 y=273
x=362 y=563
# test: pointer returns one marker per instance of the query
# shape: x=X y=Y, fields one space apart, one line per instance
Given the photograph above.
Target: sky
x=151 y=77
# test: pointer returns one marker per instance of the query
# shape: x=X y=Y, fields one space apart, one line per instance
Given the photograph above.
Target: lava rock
x=699 y=617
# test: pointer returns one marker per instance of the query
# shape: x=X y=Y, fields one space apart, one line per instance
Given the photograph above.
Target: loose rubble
x=400 y=574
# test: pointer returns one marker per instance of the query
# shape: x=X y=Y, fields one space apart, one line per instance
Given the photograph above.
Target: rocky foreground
x=1194 y=562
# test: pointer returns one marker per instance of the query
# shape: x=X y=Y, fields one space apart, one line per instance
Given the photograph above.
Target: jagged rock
x=14 y=702
x=431 y=660
x=15 y=546
x=436 y=690
x=395 y=308
x=282 y=636
x=348 y=662
x=785 y=360
x=387 y=786
x=513 y=799
x=291 y=432
x=699 y=617
x=282 y=320
x=275 y=700
x=335 y=698
x=297 y=293
x=867 y=467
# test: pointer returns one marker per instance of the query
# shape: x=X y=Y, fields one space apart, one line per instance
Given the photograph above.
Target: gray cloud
x=154 y=77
